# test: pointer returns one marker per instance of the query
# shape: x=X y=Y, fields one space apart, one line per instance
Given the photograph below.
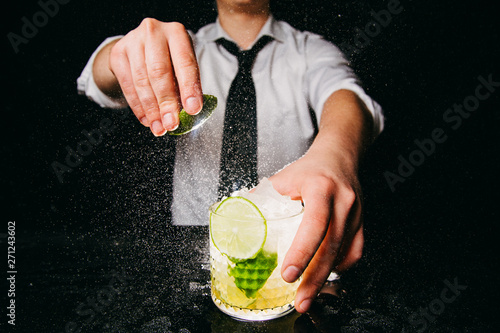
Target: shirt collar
x=270 y=28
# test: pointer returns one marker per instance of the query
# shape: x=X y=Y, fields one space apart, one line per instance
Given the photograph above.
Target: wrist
x=345 y=130
x=339 y=147
x=103 y=75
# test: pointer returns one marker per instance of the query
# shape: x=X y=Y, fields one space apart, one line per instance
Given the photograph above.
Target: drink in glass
x=250 y=234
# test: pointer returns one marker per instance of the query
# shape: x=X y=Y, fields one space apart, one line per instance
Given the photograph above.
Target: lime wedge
x=188 y=123
x=238 y=229
x=250 y=275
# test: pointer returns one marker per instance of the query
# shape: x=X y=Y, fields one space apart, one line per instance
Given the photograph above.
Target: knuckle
x=130 y=96
x=141 y=77
x=187 y=60
x=158 y=70
x=149 y=24
x=169 y=104
x=324 y=183
x=150 y=105
x=117 y=49
x=176 y=27
x=136 y=107
x=127 y=83
x=187 y=63
x=357 y=254
x=127 y=86
x=349 y=197
x=316 y=283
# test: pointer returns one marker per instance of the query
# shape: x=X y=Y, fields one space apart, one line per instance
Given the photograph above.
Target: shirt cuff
x=372 y=106
x=87 y=86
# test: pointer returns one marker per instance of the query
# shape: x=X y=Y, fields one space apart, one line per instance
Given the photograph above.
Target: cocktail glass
x=252 y=288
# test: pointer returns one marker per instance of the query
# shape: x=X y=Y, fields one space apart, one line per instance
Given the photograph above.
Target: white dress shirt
x=296 y=71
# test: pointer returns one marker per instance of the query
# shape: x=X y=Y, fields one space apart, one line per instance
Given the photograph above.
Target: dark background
x=111 y=212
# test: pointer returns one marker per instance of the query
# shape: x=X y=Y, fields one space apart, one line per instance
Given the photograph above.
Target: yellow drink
x=252 y=288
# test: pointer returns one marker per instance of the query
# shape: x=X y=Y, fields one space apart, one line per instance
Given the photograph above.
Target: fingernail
x=305 y=305
x=157 y=128
x=169 y=122
x=144 y=121
x=291 y=274
x=193 y=104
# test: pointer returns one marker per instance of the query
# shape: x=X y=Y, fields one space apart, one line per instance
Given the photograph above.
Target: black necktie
x=238 y=166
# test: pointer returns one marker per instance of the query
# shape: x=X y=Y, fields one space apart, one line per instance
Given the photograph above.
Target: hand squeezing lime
x=188 y=123
x=239 y=230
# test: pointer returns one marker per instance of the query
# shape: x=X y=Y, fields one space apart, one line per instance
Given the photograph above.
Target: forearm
x=330 y=236
x=103 y=76
x=345 y=128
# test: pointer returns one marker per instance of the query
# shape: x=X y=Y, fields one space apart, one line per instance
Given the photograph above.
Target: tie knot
x=246 y=57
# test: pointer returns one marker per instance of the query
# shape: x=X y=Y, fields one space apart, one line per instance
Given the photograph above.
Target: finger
x=315 y=275
x=285 y=185
x=185 y=67
x=161 y=77
x=312 y=230
x=354 y=223
x=322 y=263
x=144 y=90
x=120 y=67
x=354 y=252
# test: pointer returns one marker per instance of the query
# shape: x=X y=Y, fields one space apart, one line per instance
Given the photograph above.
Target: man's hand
x=154 y=66
x=330 y=236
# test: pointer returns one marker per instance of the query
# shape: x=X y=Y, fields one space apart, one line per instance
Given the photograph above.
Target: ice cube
x=265 y=188
x=270 y=202
x=240 y=193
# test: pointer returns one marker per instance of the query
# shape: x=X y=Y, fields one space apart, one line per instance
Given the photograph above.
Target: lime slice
x=238 y=228
x=188 y=123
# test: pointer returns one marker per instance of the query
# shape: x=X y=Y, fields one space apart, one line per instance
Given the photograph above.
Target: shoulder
x=306 y=42
x=286 y=29
x=298 y=37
